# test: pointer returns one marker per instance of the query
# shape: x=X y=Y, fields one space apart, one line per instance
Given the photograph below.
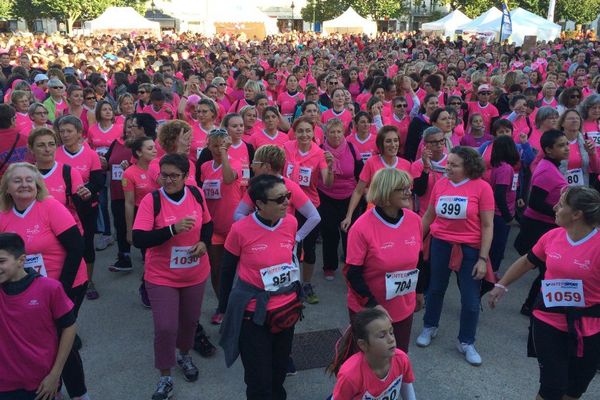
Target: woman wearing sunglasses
x=260 y=248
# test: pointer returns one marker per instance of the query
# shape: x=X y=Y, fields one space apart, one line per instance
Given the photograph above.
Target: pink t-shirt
x=366 y=148
x=137 y=180
x=29 y=342
x=305 y=168
x=260 y=138
x=357 y=381
x=241 y=155
x=488 y=112
x=376 y=162
x=457 y=207
x=170 y=264
x=504 y=174
x=381 y=249
x=23 y=123
x=222 y=199
x=547 y=177
x=344 y=181
x=57 y=188
x=401 y=124
x=161 y=116
x=259 y=246
x=39 y=227
x=100 y=139
x=566 y=259
x=345 y=116
x=199 y=142
x=471 y=141
x=84 y=161
x=437 y=172
x=287 y=103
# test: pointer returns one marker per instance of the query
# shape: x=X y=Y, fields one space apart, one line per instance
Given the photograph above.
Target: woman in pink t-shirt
x=310 y=109
x=270 y=134
x=590 y=113
x=249 y=115
x=368 y=364
x=583 y=158
x=207 y=114
x=289 y=98
x=567 y=348
x=429 y=169
x=460 y=217
x=176 y=238
x=384 y=249
x=362 y=138
x=338 y=110
x=53 y=244
x=306 y=163
x=75 y=100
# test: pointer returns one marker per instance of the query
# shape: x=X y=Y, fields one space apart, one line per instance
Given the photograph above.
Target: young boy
x=37 y=327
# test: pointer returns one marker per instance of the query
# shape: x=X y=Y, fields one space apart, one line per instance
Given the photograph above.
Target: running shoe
x=103 y=242
x=190 y=371
x=144 y=295
x=123 y=264
x=291 y=367
x=471 y=355
x=201 y=343
x=92 y=293
x=329 y=274
x=424 y=339
x=309 y=292
x=217 y=318
x=164 y=389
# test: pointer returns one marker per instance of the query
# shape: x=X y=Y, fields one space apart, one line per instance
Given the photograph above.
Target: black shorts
x=561 y=374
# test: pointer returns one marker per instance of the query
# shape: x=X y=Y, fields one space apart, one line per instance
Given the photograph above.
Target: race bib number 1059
x=563 y=293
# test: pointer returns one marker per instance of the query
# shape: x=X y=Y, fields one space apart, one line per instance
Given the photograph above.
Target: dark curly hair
x=472 y=161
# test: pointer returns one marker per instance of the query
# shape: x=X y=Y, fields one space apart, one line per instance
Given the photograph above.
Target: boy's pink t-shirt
x=259 y=246
x=548 y=177
x=382 y=248
x=39 y=227
x=345 y=116
x=366 y=148
x=260 y=138
x=170 y=263
x=222 y=199
x=29 y=344
x=357 y=381
x=376 y=162
x=505 y=174
x=457 y=207
x=305 y=169
x=85 y=161
x=100 y=139
x=137 y=180
x=566 y=259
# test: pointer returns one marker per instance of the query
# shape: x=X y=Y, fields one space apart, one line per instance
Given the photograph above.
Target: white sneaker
x=103 y=242
x=471 y=355
x=424 y=339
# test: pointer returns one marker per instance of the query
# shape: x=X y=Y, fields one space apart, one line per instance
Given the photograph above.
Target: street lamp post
x=292 y=6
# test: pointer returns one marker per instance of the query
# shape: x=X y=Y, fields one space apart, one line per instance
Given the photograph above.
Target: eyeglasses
x=141 y=91
x=485 y=93
x=401 y=105
x=218 y=132
x=222 y=84
x=436 y=142
x=90 y=98
x=456 y=103
x=171 y=177
x=574 y=96
x=281 y=199
x=57 y=87
x=333 y=83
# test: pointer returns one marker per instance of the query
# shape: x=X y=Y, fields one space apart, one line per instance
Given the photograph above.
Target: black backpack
x=193 y=189
x=66 y=174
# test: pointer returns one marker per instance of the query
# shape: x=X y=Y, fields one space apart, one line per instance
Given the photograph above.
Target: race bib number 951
x=280 y=275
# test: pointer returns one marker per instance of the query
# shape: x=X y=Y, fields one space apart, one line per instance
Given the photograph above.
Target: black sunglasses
x=281 y=199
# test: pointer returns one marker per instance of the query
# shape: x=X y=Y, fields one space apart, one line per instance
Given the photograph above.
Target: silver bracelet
x=501 y=287
x=171 y=230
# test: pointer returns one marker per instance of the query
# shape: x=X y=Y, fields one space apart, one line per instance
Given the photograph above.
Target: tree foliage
x=5 y=9
x=377 y=9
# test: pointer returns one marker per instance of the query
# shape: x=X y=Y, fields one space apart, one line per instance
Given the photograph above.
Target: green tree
x=580 y=11
x=323 y=10
x=29 y=10
x=5 y=9
x=380 y=9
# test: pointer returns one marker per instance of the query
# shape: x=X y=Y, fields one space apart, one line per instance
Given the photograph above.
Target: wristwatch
x=483 y=258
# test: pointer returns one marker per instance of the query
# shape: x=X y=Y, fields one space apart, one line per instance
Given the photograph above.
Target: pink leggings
x=175 y=312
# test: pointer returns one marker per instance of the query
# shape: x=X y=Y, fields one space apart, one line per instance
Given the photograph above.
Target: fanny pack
x=285 y=316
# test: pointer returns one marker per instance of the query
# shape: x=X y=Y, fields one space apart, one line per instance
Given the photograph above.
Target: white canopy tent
x=119 y=20
x=447 y=25
x=237 y=17
x=524 y=23
x=350 y=22
x=490 y=15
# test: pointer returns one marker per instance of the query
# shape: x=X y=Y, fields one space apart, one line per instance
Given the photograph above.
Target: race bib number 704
x=400 y=283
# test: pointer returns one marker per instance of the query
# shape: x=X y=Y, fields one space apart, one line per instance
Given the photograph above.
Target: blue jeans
x=501 y=231
x=469 y=289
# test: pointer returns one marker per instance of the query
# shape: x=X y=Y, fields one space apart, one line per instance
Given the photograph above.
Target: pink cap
x=483 y=88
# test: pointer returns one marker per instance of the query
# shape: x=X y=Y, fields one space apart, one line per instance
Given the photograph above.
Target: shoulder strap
x=156 y=202
x=66 y=174
x=10 y=152
x=351 y=146
x=197 y=195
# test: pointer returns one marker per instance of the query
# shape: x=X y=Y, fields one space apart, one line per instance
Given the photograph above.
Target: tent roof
x=490 y=15
x=122 y=18
x=523 y=14
x=447 y=23
x=349 y=18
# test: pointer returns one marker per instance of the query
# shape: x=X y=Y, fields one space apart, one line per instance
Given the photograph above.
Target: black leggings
x=332 y=213
x=88 y=216
x=118 y=210
x=72 y=374
x=18 y=395
x=308 y=246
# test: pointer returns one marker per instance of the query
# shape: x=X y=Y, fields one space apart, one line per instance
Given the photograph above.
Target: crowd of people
x=405 y=156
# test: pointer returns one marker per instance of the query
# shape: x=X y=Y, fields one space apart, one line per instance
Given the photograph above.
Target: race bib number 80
x=563 y=293
x=452 y=207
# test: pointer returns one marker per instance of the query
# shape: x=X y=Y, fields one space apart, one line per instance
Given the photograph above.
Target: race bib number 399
x=452 y=207
x=400 y=283
x=563 y=293
x=280 y=275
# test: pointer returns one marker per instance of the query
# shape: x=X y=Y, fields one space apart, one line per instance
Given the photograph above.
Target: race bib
x=575 y=177
x=280 y=275
x=515 y=182
x=452 y=207
x=212 y=189
x=36 y=261
x=181 y=257
x=595 y=137
x=245 y=173
x=101 y=151
x=304 y=177
x=365 y=156
x=198 y=151
x=117 y=172
x=392 y=392
x=400 y=283
x=563 y=293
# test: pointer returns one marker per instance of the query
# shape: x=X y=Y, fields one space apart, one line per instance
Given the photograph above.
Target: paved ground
x=118 y=356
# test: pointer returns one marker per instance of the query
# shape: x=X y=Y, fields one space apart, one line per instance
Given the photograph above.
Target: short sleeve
x=95 y=161
x=144 y=219
x=504 y=175
x=416 y=169
x=299 y=198
x=365 y=174
x=206 y=218
x=486 y=197
x=344 y=388
x=357 y=248
x=539 y=249
x=407 y=371
x=322 y=162
x=76 y=179
x=60 y=219
x=128 y=181
x=233 y=243
x=60 y=304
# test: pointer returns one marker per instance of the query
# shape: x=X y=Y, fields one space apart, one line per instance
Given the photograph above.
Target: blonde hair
x=6 y=200
x=272 y=155
x=384 y=183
